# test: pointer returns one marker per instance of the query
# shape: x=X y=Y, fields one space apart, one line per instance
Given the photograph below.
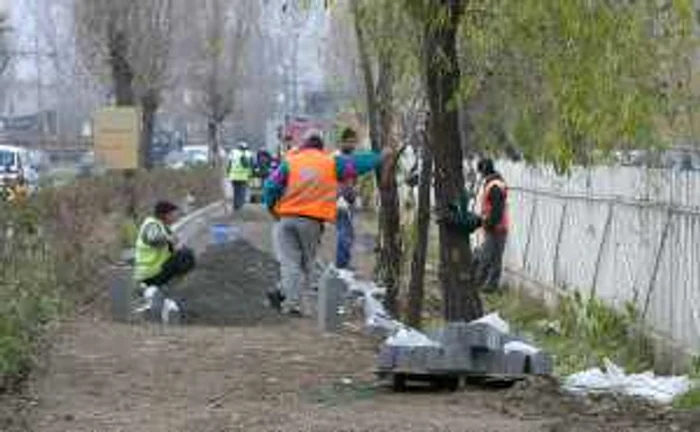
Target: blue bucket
x=220 y=233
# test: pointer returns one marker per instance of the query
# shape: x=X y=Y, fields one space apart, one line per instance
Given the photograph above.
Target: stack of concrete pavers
x=467 y=349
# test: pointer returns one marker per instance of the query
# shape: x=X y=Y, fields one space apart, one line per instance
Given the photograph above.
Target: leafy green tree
x=569 y=81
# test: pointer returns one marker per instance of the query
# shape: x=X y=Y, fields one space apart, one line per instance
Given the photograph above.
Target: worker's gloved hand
x=343 y=204
x=447 y=215
x=458 y=218
x=471 y=222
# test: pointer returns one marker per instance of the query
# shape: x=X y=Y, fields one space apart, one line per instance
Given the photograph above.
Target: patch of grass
x=54 y=247
x=580 y=332
x=688 y=401
x=338 y=394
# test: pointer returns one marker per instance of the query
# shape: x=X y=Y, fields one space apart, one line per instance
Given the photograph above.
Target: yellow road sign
x=117 y=131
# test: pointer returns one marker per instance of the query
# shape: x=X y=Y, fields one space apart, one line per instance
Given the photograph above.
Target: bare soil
x=285 y=376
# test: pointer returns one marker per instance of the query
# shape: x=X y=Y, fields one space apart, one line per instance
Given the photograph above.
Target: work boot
x=294 y=313
x=275 y=298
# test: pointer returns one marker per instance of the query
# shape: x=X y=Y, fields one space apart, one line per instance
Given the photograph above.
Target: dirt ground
x=107 y=377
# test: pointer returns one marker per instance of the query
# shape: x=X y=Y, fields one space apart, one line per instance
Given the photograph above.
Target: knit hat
x=164 y=207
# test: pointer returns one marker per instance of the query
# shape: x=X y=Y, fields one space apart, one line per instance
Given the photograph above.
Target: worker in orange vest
x=302 y=195
x=495 y=222
x=492 y=219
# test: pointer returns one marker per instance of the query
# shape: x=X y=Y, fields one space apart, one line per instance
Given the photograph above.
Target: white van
x=14 y=161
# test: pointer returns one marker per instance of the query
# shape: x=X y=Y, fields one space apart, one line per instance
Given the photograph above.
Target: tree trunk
x=390 y=248
x=368 y=77
x=379 y=105
x=122 y=73
x=461 y=301
x=149 y=107
x=420 y=252
x=213 y=141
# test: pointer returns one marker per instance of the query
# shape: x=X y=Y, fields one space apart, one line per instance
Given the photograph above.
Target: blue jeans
x=240 y=190
x=345 y=233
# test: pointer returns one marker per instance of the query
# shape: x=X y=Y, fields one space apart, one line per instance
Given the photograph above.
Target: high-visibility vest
x=312 y=186
x=237 y=170
x=487 y=205
x=149 y=259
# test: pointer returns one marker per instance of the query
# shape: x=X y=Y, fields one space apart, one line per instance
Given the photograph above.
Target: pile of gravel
x=228 y=287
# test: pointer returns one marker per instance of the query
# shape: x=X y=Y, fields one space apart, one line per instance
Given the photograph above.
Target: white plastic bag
x=517 y=346
x=494 y=320
x=408 y=337
x=228 y=189
x=614 y=380
x=169 y=306
x=342 y=204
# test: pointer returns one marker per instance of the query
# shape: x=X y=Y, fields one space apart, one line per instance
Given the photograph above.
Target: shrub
x=54 y=248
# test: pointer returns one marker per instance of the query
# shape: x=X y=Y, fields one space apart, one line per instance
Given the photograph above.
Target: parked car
x=189 y=156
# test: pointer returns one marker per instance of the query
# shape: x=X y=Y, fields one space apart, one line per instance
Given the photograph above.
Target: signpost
x=116 y=137
x=117 y=131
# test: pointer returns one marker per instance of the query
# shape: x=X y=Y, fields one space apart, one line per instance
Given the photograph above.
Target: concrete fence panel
x=624 y=234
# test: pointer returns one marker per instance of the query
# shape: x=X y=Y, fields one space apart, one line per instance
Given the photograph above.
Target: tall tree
x=416 y=290
x=130 y=40
x=571 y=81
x=224 y=35
x=5 y=49
x=386 y=47
x=442 y=19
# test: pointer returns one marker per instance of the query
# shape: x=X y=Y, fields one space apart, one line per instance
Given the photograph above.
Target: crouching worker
x=159 y=258
x=302 y=194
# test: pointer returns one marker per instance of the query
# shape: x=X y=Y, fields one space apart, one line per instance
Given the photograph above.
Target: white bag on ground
x=614 y=380
x=494 y=320
x=227 y=189
x=408 y=337
x=517 y=346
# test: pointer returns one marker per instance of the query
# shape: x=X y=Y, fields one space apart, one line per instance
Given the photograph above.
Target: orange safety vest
x=487 y=205
x=312 y=186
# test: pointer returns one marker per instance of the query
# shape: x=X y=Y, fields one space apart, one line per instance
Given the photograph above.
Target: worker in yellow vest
x=159 y=258
x=240 y=171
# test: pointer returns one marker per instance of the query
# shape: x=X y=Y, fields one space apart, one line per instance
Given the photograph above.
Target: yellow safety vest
x=237 y=170
x=149 y=259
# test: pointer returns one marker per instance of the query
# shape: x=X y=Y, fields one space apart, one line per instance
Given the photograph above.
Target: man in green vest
x=240 y=170
x=159 y=258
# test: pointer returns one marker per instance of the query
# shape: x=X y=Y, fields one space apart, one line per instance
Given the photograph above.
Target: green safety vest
x=149 y=259
x=237 y=170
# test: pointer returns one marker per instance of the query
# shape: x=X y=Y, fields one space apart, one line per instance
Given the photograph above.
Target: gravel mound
x=228 y=287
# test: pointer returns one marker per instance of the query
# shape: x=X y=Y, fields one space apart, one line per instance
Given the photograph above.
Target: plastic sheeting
x=408 y=337
x=661 y=389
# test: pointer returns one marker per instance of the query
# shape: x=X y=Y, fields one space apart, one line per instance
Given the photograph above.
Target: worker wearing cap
x=240 y=171
x=302 y=194
x=493 y=220
x=347 y=195
x=159 y=258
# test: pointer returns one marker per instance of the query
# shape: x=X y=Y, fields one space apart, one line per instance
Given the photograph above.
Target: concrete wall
x=626 y=234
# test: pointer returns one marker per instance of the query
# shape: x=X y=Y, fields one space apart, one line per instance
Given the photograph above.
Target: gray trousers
x=489 y=261
x=297 y=242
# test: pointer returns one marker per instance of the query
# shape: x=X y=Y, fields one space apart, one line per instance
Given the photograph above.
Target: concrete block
x=485 y=361
x=385 y=358
x=121 y=290
x=484 y=336
x=331 y=294
x=519 y=363
x=542 y=364
x=516 y=363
